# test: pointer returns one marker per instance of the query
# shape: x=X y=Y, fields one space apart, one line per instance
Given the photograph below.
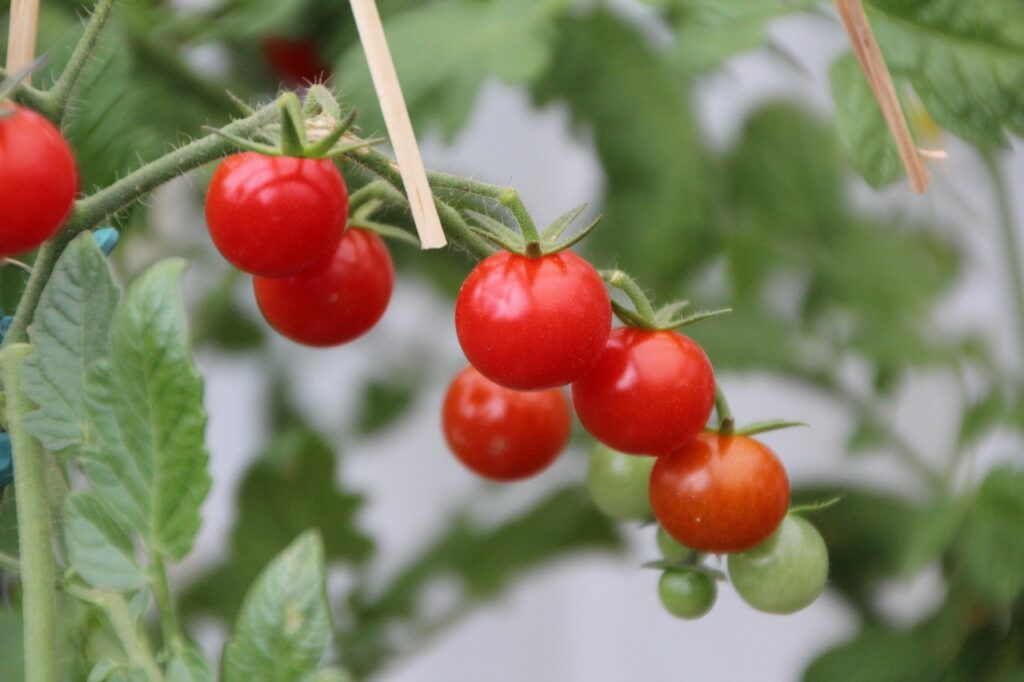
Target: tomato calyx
x=529 y=241
x=812 y=507
x=313 y=129
x=643 y=314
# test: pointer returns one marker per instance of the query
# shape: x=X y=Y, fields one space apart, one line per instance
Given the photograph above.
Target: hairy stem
x=1011 y=242
x=627 y=285
x=56 y=98
x=173 y=637
x=127 y=631
x=39 y=603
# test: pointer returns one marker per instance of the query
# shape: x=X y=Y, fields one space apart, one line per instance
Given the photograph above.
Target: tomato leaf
x=291 y=488
x=862 y=129
x=992 y=545
x=188 y=666
x=964 y=59
x=109 y=670
x=70 y=332
x=100 y=547
x=284 y=623
x=146 y=458
x=647 y=139
x=510 y=39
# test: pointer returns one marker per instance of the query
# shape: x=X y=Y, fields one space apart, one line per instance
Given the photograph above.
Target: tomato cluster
x=284 y=220
x=38 y=179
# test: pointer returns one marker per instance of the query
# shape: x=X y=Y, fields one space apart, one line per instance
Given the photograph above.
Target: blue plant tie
x=6 y=460
x=106 y=239
x=5 y=324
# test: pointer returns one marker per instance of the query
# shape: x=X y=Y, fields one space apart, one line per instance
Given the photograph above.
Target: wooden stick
x=21 y=36
x=869 y=55
x=396 y=118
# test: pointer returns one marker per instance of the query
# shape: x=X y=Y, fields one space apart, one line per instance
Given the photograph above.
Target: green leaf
x=384 y=402
x=883 y=654
x=708 y=32
x=188 y=666
x=510 y=39
x=284 y=623
x=982 y=416
x=108 y=670
x=484 y=560
x=70 y=331
x=964 y=59
x=658 y=179
x=292 y=487
x=933 y=530
x=99 y=547
x=147 y=461
x=992 y=544
x=862 y=128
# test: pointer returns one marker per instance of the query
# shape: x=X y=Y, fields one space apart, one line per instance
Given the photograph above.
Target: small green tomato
x=618 y=483
x=786 y=572
x=687 y=594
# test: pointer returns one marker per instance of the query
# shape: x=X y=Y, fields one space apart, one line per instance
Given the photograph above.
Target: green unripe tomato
x=618 y=483
x=786 y=572
x=672 y=550
x=687 y=594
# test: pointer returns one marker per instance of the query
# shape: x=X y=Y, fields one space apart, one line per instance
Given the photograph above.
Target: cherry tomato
x=671 y=550
x=295 y=61
x=687 y=594
x=650 y=392
x=274 y=216
x=38 y=179
x=786 y=572
x=720 y=493
x=336 y=303
x=533 y=323
x=618 y=483
x=501 y=434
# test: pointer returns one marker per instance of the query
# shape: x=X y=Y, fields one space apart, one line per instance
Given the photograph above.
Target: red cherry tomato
x=501 y=434
x=336 y=303
x=274 y=216
x=295 y=61
x=38 y=179
x=533 y=323
x=649 y=393
x=720 y=493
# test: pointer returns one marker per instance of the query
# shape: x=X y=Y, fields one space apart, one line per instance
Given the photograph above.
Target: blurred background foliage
x=764 y=225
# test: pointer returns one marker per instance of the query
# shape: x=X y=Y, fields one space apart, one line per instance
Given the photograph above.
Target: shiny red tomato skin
x=274 y=216
x=295 y=60
x=649 y=393
x=720 y=493
x=38 y=179
x=336 y=303
x=533 y=323
x=502 y=434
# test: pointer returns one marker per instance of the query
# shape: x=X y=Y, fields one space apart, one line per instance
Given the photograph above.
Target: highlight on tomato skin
x=650 y=392
x=38 y=179
x=720 y=493
x=337 y=303
x=502 y=434
x=533 y=323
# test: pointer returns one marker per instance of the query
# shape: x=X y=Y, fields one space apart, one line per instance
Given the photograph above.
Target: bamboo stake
x=21 y=36
x=396 y=118
x=869 y=55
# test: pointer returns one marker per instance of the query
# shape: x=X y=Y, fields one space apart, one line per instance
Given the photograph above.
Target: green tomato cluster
x=782 y=575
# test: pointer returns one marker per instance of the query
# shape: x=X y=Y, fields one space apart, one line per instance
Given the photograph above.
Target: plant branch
x=35 y=533
x=1011 y=242
x=33 y=98
x=127 y=631
x=58 y=95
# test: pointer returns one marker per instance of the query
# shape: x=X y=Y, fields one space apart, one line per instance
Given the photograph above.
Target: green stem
x=33 y=98
x=35 y=538
x=173 y=637
x=627 y=285
x=726 y=423
x=1011 y=242
x=127 y=630
x=506 y=196
x=10 y=563
x=94 y=209
x=60 y=93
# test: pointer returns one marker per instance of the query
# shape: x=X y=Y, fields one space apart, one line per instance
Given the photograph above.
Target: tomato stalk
x=35 y=532
x=644 y=316
x=726 y=422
